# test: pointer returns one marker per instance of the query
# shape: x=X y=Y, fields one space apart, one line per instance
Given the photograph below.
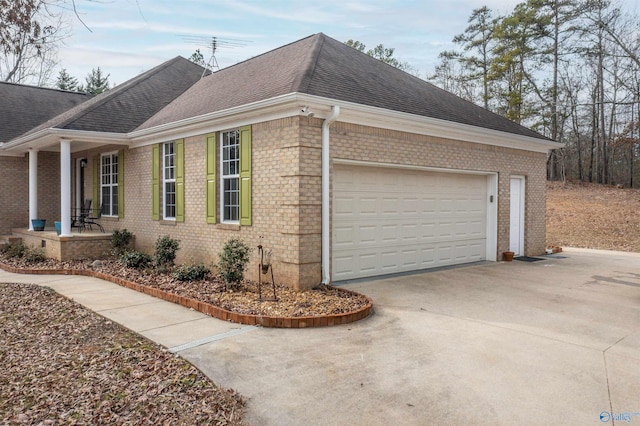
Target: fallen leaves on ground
x=593 y=216
x=63 y=364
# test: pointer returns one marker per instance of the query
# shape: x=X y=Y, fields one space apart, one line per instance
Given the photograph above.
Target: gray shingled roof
x=24 y=107
x=126 y=106
x=321 y=66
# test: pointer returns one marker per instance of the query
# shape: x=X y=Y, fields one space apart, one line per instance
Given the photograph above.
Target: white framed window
x=108 y=185
x=169 y=180
x=230 y=176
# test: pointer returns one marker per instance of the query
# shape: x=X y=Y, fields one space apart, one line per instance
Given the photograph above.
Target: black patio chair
x=79 y=220
x=90 y=220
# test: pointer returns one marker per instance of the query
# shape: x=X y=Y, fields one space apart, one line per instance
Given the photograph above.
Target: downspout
x=326 y=201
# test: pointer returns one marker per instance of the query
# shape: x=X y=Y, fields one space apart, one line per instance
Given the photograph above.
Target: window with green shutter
x=168 y=181
x=110 y=185
x=230 y=177
x=235 y=176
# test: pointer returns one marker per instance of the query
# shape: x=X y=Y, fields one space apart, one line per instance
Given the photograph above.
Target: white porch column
x=33 y=186
x=65 y=188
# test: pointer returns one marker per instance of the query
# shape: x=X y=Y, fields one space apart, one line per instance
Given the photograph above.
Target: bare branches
x=29 y=36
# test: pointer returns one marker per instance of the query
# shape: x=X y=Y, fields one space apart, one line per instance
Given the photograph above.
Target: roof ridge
x=53 y=89
x=230 y=67
x=304 y=78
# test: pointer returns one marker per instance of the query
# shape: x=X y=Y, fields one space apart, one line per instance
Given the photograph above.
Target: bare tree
x=29 y=39
x=451 y=75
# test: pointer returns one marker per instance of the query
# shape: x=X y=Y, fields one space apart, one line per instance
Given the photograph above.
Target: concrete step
x=6 y=240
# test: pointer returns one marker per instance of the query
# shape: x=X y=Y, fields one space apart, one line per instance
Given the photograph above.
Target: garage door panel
x=367 y=205
x=343 y=266
x=445 y=229
x=367 y=234
x=368 y=262
x=428 y=257
x=389 y=233
x=409 y=259
x=408 y=234
x=428 y=205
x=445 y=255
x=410 y=205
x=344 y=206
x=401 y=220
x=389 y=206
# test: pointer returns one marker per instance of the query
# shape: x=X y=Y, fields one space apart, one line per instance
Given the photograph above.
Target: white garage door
x=388 y=220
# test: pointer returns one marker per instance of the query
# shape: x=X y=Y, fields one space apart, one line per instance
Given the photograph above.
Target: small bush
x=135 y=259
x=120 y=241
x=16 y=250
x=233 y=261
x=165 y=254
x=190 y=272
x=33 y=254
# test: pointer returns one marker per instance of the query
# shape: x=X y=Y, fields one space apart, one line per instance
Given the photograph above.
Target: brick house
x=346 y=167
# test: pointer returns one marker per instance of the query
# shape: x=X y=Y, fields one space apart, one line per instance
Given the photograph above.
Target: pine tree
x=198 y=58
x=96 y=81
x=477 y=42
x=66 y=82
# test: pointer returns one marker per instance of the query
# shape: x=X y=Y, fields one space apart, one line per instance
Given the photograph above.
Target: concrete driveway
x=549 y=342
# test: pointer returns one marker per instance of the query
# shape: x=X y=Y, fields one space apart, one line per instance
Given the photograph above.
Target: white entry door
x=516 y=216
x=389 y=220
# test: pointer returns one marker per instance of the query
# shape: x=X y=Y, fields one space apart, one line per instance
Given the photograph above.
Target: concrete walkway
x=549 y=342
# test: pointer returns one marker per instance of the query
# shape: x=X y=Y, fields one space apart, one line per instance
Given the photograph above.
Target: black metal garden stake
x=264 y=268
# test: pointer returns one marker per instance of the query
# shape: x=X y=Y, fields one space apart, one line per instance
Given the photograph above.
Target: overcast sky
x=128 y=37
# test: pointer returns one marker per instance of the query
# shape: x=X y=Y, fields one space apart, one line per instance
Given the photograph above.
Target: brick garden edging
x=209 y=309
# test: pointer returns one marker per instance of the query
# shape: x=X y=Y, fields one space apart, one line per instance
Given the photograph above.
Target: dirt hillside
x=593 y=216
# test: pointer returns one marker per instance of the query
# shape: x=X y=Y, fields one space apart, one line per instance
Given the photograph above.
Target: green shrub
x=135 y=259
x=165 y=254
x=233 y=261
x=30 y=254
x=120 y=241
x=33 y=254
x=190 y=272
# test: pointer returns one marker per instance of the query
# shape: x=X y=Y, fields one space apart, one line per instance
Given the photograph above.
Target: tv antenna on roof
x=212 y=43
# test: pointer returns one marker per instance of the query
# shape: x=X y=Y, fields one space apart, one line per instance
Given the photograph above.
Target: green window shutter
x=120 y=184
x=211 y=179
x=180 y=180
x=155 y=182
x=96 y=181
x=245 y=175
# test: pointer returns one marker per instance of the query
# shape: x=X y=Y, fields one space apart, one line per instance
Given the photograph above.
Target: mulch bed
x=323 y=306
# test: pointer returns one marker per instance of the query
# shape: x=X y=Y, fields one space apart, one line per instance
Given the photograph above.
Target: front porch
x=80 y=245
